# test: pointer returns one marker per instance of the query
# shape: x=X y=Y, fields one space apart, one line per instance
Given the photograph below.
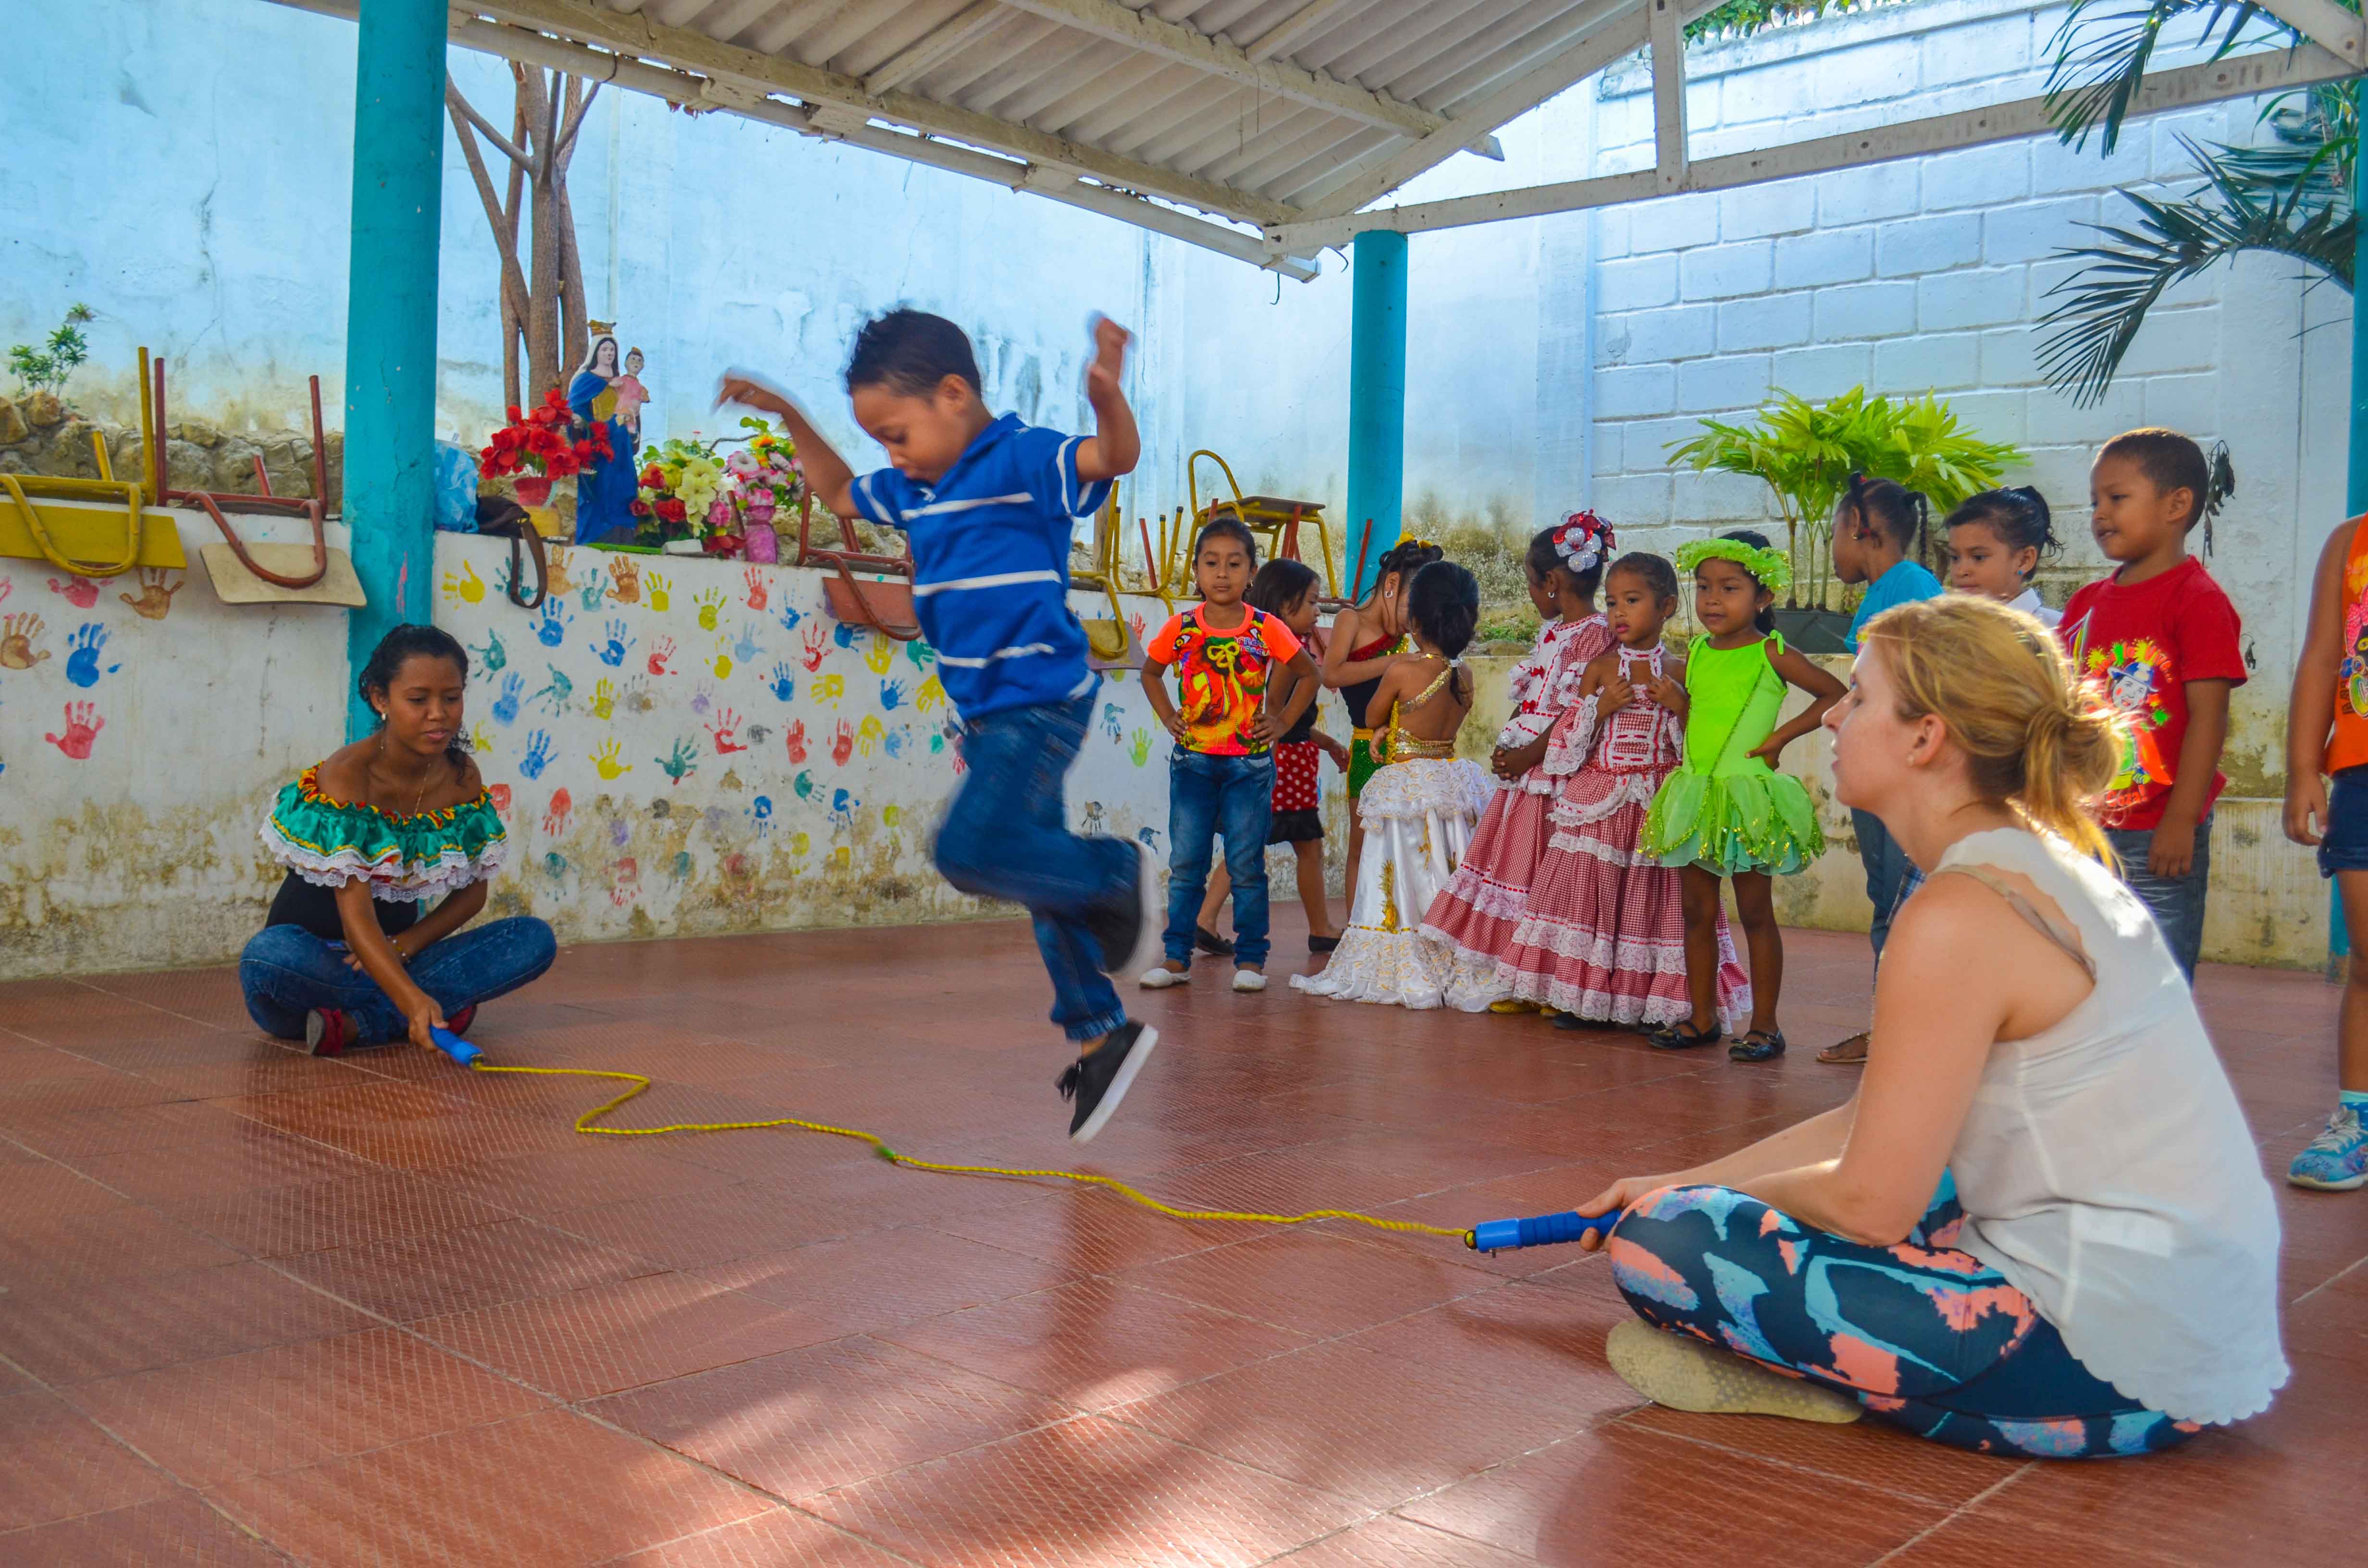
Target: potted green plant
x=1806 y=452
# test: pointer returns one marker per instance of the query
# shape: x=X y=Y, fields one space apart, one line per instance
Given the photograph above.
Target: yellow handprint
x=481 y=739
x=829 y=688
x=605 y=759
x=840 y=858
x=868 y=734
x=891 y=815
x=709 y=603
x=722 y=663
x=929 y=696
x=800 y=845
x=467 y=586
x=604 y=700
x=655 y=588
x=876 y=657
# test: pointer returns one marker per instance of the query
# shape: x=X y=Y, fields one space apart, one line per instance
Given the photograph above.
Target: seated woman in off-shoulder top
x=350 y=954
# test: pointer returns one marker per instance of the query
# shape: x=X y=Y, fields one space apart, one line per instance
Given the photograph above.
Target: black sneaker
x=1129 y=928
x=1097 y=1081
x=1208 y=942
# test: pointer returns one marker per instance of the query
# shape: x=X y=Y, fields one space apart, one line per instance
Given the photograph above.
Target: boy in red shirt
x=2162 y=640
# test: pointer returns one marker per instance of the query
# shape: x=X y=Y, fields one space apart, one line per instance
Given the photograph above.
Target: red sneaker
x=459 y=1022
x=327 y=1032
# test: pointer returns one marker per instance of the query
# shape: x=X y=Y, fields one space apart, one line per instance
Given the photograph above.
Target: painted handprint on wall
x=17 y=635
x=82 y=725
x=791 y=616
x=880 y=655
x=79 y=592
x=709 y=602
x=505 y=705
x=1141 y=750
x=894 y=744
x=481 y=739
x=795 y=738
x=155 y=598
x=921 y=655
x=492 y=656
x=611 y=650
x=892 y=696
x=625 y=580
x=624 y=881
x=551 y=630
x=85 y=648
x=760 y=591
x=760 y=811
x=538 y=754
x=660 y=652
x=554 y=817
x=659 y=591
x=804 y=786
x=560 y=583
x=682 y=764
x=703 y=698
x=722 y=662
x=560 y=689
x=1110 y=721
x=930 y=694
x=744 y=647
x=784 y=684
x=816 y=642
x=603 y=702
x=842 y=743
x=726 y=732
x=843 y=805
x=605 y=759
x=868 y=734
x=829 y=688
x=595 y=593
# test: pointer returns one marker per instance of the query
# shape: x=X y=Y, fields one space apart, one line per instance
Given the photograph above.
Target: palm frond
x=2106 y=302
x=2101 y=56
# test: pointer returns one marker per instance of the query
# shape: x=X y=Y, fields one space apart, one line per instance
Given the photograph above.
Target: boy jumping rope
x=987 y=503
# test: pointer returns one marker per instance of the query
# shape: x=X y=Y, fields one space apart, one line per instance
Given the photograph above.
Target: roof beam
x=2341 y=32
x=1669 y=43
x=1147 y=33
x=2237 y=76
x=689 y=49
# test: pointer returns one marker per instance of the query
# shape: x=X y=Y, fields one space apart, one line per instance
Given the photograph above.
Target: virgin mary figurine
x=604 y=491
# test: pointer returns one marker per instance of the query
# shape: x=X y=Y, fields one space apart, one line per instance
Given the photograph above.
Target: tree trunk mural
x=543 y=297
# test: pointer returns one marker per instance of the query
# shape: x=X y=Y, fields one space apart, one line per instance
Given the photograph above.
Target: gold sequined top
x=1400 y=747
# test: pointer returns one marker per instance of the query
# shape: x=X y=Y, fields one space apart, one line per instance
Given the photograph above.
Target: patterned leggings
x=1928 y=1337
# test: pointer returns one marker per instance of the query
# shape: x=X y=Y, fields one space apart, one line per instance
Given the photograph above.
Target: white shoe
x=1686 y=1374
x=1159 y=977
x=1249 y=980
x=1150 y=916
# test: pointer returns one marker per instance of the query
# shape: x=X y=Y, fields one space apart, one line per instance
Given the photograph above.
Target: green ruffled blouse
x=403 y=858
x=1723 y=808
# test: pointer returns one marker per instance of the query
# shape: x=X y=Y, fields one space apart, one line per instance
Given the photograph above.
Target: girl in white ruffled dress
x=1418 y=810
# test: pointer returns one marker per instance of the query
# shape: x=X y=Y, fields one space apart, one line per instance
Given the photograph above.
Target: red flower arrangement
x=537 y=442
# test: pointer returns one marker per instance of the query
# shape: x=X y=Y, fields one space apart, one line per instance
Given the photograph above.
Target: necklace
x=420 y=799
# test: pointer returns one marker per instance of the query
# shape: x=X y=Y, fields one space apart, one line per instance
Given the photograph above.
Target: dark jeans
x=1926 y=1336
x=286 y=972
x=1007 y=836
x=1886 y=868
x=1207 y=796
x=2176 y=903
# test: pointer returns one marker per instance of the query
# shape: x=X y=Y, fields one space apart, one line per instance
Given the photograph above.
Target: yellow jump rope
x=589 y=1124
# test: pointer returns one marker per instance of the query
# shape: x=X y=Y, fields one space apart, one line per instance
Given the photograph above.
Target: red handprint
x=727 y=726
x=842 y=743
x=796 y=740
x=760 y=594
x=961 y=763
x=660 y=652
x=79 y=592
x=501 y=794
x=554 y=821
x=818 y=641
x=82 y=729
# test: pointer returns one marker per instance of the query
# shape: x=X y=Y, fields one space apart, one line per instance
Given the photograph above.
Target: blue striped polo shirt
x=991 y=564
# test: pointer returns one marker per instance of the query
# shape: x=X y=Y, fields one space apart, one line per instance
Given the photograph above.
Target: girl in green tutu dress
x=1726 y=812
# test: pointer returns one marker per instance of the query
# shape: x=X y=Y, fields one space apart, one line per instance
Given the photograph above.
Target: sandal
x=1208 y=942
x=1322 y=944
x=1759 y=1045
x=1851 y=1053
x=1681 y=1037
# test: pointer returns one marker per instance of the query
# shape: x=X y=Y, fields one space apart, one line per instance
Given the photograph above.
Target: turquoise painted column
x=1377 y=340
x=2356 y=495
x=390 y=492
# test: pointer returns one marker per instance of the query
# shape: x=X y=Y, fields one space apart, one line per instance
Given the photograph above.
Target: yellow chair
x=80 y=539
x=1273 y=519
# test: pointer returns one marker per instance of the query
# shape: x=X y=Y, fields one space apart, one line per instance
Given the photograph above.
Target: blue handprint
x=492 y=656
x=538 y=754
x=804 y=785
x=791 y=616
x=612 y=651
x=558 y=690
x=552 y=627
x=921 y=653
x=844 y=634
x=785 y=682
x=894 y=743
x=842 y=808
x=505 y=705
x=1150 y=836
x=82 y=657
x=594 y=591
x=892 y=696
x=761 y=808
x=1111 y=725
x=745 y=648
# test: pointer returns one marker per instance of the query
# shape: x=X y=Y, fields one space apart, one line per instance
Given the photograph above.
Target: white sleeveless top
x=2107 y=1171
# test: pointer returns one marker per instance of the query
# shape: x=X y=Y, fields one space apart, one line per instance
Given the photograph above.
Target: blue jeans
x=286 y=972
x=2176 y=903
x=1007 y=836
x=1886 y=868
x=1207 y=796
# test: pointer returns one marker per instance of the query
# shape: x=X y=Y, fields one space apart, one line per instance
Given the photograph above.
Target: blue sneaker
x=2337 y=1159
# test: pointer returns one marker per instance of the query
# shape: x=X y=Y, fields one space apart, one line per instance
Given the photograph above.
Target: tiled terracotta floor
x=256 y=1308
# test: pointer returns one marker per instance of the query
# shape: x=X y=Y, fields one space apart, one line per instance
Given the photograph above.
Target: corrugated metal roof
x=1259 y=112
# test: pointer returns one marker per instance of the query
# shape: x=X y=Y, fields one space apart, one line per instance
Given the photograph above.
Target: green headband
x=1769 y=566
